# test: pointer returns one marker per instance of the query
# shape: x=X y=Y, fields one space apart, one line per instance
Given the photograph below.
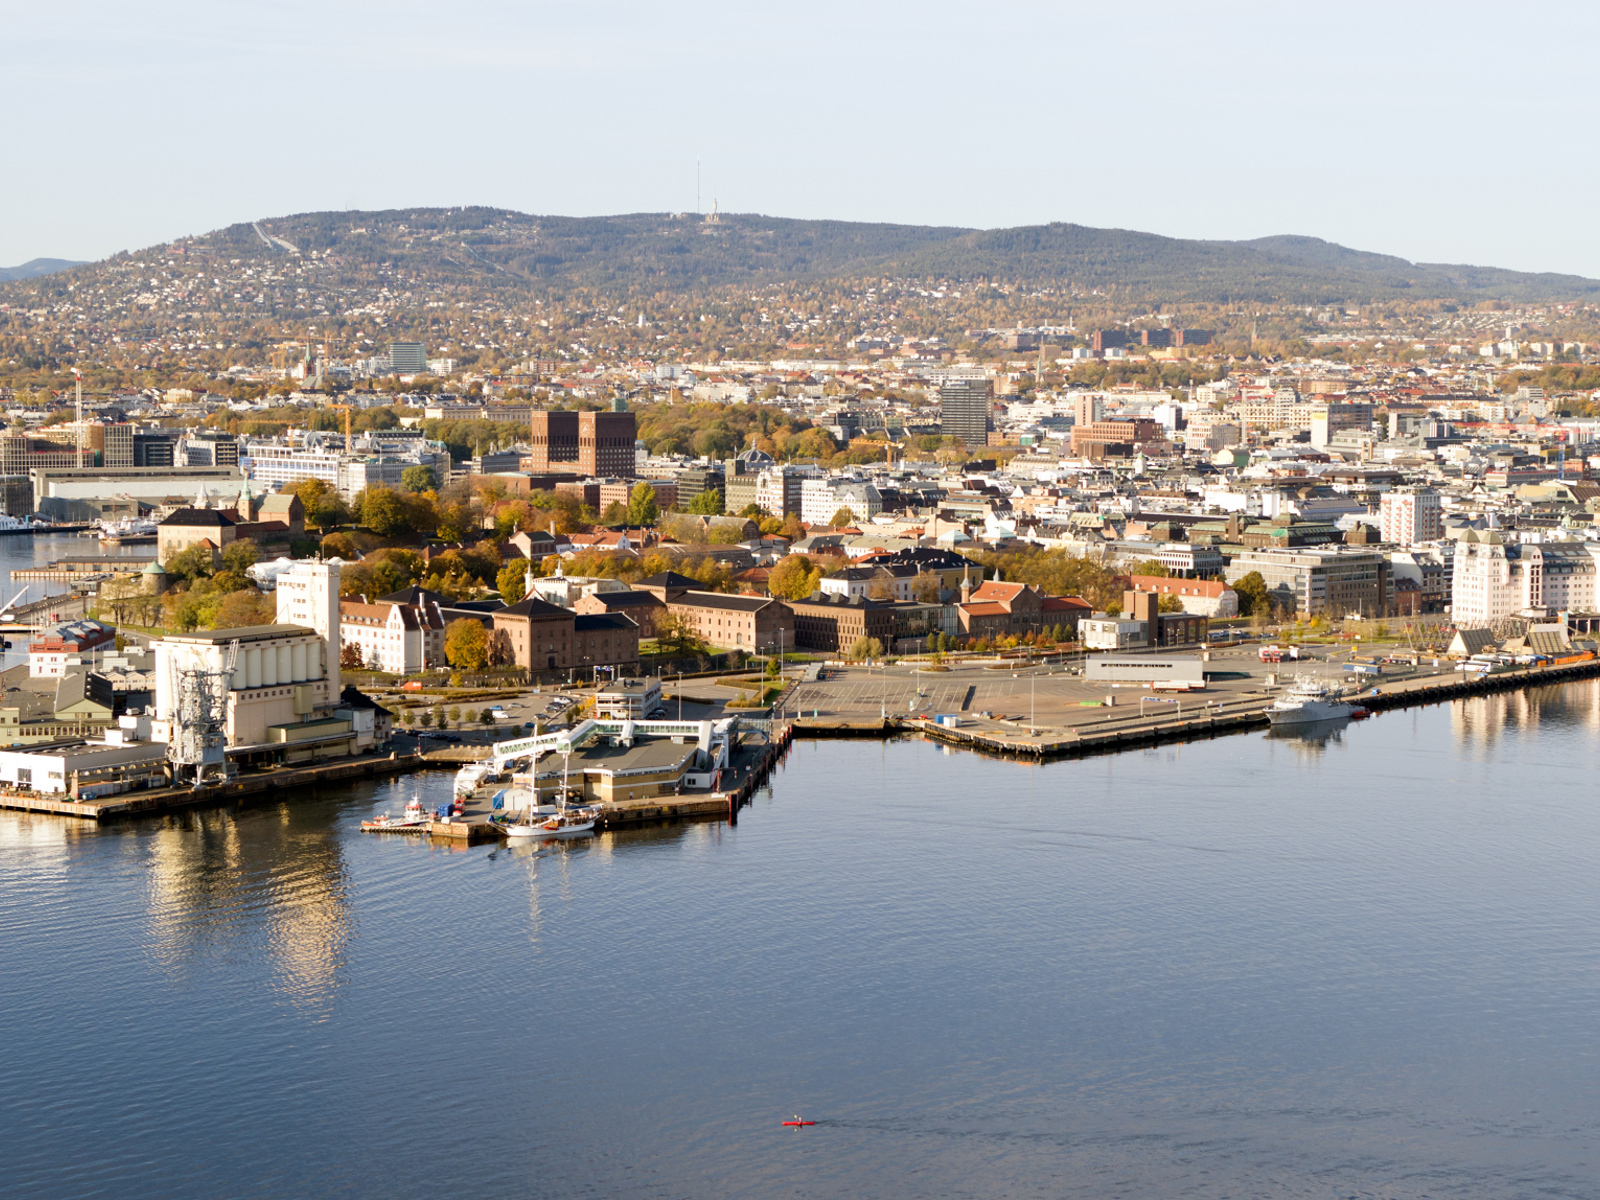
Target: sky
x=1436 y=132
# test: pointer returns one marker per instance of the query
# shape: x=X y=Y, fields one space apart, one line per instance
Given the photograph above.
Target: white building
x=1102 y=632
x=1494 y=579
x=273 y=466
x=282 y=674
x=1407 y=516
x=821 y=498
x=399 y=638
x=308 y=594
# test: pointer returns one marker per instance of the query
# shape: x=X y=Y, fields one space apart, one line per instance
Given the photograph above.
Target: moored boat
x=1309 y=700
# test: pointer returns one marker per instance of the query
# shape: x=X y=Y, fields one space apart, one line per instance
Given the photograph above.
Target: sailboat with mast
x=540 y=821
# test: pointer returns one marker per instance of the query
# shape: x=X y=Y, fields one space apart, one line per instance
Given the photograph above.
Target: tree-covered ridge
x=496 y=251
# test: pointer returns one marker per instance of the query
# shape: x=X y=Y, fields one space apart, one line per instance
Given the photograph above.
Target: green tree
x=1169 y=604
x=642 y=509
x=708 y=503
x=193 y=563
x=418 y=479
x=466 y=644
x=1152 y=568
x=511 y=582
x=239 y=557
x=383 y=512
x=616 y=513
x=794 y=578
x=1253 y=595
x=485 y=717
x=843 y=516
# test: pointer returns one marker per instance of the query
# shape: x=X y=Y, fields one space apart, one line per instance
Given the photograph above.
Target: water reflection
x=1480 y=721
x=1311 y=738
x=265 y=881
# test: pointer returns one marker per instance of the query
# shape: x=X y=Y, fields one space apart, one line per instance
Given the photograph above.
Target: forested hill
x=495 y=250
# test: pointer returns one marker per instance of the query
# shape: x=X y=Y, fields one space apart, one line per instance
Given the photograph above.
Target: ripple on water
x=1237 y=967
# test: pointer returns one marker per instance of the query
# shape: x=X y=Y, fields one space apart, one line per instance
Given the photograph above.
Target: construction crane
x=197 y=749
x=348 y=443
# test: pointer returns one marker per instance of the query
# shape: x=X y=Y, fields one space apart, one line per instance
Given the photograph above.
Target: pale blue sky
x=1438 y=132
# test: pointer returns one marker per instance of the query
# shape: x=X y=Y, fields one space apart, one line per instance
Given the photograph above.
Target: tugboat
x=1309 y=700
x=415 y=817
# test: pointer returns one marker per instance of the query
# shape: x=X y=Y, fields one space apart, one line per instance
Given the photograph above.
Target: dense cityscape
x=547 y=565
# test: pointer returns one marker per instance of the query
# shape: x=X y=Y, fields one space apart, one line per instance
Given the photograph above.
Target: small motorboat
x=414 y=817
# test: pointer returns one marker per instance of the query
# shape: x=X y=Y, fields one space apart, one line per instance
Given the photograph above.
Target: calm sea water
x=1238 y=968
x=30 y=551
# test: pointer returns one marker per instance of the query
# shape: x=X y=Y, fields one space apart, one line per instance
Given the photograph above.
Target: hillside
x=489 y=252
x=36 y=267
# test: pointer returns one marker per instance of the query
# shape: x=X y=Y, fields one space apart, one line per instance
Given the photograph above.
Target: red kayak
x=797 y=1122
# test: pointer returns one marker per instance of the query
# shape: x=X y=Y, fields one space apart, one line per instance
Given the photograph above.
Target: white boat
x=469 y=777
x=1309 y=700
x=528 y=822
x=571 y=822
x=127 y=527
x=416 y=816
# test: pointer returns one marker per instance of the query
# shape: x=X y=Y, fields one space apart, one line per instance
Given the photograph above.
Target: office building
x=1330 y=420
x=156 y=448
x=778 y=491
x=210 y=448
x=408 y=358
x=1325 y=581
x=964 y=410
x=582 y=443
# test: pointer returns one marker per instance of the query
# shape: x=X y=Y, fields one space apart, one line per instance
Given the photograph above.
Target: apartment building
x=1407 y=516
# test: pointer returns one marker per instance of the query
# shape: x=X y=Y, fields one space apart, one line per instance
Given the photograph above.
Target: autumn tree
x=866 y=647
x=382 y=511
x=843 y=516
x=501 y=652
x=466 y=644
x=794 y=578
x=243 y=608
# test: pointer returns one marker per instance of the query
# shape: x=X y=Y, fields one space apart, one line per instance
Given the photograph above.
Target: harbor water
x=1358 y=962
